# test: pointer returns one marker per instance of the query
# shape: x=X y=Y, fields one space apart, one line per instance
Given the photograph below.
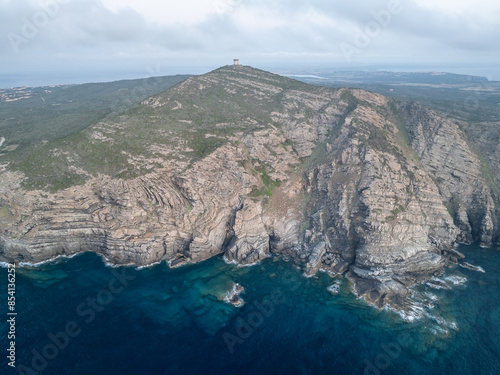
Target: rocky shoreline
x=233 y=296
x=337 y=179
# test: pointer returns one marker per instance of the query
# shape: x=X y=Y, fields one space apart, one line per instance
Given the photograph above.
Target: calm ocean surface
x=80 y=317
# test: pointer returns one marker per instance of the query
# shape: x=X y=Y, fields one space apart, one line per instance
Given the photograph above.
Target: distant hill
x=381 y=77
x=472 y=101
x=245 y=163
x=32 y=114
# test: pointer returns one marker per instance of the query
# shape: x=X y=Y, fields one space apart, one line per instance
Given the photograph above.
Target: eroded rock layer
x=246 y=163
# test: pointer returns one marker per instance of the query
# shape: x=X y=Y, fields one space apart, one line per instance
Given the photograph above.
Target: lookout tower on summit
x=236 y=62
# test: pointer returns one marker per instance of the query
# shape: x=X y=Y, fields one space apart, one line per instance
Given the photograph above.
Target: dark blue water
x=163 y=321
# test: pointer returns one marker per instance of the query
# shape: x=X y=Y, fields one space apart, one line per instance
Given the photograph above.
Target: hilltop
x=245 y=163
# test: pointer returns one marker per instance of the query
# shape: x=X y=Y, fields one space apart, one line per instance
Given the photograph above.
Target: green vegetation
x=464 y=98
x=451 y=208
x=80 y=131
x=395 y=212
x=453 y=205
x=87 y=130
x=56 y=112
x=4 y=212
x=204 y=145
x=472 y=100
x=402 y=134
x=55 y=148
x=268 y=182
x=352 y=103
x=319 y=154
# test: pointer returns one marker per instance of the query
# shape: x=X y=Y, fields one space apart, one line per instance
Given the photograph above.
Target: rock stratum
x=246 y=163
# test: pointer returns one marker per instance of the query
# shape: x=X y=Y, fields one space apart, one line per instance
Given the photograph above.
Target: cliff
x=246 y=163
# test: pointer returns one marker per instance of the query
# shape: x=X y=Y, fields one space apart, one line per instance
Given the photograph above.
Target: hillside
x=473 y=102
x=29 y=115
x=245 y=163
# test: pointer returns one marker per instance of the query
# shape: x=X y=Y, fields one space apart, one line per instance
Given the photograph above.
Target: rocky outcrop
x=459 y=173
x=189 y=216
x=375 y=213
x=250 y=164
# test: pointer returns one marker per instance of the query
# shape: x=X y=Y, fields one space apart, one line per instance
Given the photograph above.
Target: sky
x=75 y=41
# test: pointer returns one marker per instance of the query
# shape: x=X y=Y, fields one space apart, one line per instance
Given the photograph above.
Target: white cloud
x=168 y=13
x=460 y=6
x=257 y=20
x=211 y=31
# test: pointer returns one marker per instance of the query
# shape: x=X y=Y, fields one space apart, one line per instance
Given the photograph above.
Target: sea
x=81 y=316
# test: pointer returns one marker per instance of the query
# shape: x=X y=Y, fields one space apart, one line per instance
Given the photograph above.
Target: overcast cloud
x=44 y=37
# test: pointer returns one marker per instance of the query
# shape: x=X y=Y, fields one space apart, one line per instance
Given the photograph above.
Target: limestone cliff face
x=375 y=211
x=448 y=157
x=250 y=164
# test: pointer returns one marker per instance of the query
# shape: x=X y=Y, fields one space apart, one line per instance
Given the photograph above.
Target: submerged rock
x=472 y=267
x=338 y=179
x=436 y=283
x=335 y=287
x=233 y=296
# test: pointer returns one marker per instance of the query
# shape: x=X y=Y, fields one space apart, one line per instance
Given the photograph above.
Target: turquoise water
x=174 y=321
